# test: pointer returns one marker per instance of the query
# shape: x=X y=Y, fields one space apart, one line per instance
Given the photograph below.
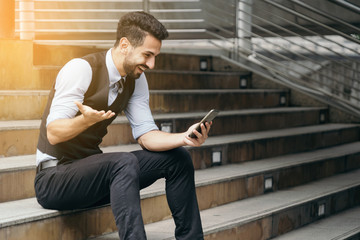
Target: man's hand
x=92 y=116
x=61 y=130
x=163 y=141
x=201 y=137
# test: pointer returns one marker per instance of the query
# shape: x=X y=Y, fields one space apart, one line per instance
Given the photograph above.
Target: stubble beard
x=130 y=68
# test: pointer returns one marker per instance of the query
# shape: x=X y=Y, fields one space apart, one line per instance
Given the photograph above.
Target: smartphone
x=208 y=118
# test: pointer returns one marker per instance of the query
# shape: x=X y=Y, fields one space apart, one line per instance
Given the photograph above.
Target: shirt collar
x=114 y=74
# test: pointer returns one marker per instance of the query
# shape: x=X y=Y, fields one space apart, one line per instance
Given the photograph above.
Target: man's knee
x=125 y=163
x=183 y=158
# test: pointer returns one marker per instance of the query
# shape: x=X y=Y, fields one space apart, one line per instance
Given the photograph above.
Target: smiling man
x=88 y=94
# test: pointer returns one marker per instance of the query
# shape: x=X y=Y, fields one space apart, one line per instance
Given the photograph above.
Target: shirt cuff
x=140 y=130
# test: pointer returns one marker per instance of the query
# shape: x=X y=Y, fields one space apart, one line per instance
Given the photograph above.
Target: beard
x=131 y=68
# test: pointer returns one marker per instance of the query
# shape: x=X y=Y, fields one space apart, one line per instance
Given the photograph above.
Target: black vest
x=87 y=142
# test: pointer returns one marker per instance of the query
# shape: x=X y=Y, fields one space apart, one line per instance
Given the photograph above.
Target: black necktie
x=120 y=85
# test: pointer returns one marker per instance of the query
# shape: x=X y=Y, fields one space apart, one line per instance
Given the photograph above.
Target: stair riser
x=208 y=195
x=353 y=237
x=258 y=230
x=230 y=124
x=173 y=102
x=18 y=142
x=188 y=80
x=21 y=107
x=31 y=106
x=244 y=123
x=74 y=226
x=21 y=142
x=10 y=182
x=100 y=220
x=265 y=148
x=56 y=55
x=59 y=55
x=44 y=77
x=41 y=79
x=303 y=174
x=289 y=219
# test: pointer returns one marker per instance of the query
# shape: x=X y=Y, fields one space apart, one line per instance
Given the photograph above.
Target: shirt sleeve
x=71 y=84
x=138 y=111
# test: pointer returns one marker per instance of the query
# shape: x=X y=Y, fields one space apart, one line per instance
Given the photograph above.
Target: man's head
x=139 y=37
x=135 y=26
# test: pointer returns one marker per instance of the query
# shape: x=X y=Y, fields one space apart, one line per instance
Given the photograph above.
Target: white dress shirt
x=73 y=81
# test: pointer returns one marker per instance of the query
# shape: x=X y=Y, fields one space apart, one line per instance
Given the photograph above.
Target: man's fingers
x=94 y=114
x=108 y=114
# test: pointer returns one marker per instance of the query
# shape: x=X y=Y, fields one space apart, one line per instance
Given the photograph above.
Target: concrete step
x=345 y=225
x=264 y=144
x=165 y=79
x=20 y=137
x=164 y=101
x=282 y=171
x=161 y=79
x=58 y=55
x=215 y=187
x=44 y=77
x=270 y=215
x=30 y=104
x=22 y=104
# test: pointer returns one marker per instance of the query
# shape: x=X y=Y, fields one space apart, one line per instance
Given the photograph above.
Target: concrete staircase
x=268 y=169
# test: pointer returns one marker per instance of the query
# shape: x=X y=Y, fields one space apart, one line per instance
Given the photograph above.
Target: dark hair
x=136 y=25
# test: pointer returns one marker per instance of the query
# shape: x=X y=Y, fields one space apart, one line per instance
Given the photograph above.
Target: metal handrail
x=302 y=56
x=347 y=5
x=268 y=60
x=223 y=27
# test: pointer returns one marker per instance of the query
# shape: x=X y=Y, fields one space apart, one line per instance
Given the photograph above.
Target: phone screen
x=208 y=118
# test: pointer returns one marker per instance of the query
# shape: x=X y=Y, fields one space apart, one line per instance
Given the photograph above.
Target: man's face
x=141 y=58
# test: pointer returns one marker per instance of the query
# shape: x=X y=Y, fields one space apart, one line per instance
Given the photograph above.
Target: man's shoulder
x=95 y=59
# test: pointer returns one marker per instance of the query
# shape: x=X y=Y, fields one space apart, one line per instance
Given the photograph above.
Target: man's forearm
x=161 y=141
x=62 y=130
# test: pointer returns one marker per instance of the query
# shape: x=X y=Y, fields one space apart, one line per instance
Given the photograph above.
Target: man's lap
x=85 y=182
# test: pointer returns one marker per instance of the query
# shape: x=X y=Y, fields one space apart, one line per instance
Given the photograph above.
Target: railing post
x=244 y=20
x=146 y=6
x=7 y=19
x=27 y=19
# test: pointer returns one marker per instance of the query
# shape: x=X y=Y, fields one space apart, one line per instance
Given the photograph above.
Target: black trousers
x=117 y=178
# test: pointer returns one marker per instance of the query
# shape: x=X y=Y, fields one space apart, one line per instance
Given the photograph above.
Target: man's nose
x=150 y=63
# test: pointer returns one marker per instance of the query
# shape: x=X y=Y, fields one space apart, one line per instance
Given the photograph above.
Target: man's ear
x=124 y=45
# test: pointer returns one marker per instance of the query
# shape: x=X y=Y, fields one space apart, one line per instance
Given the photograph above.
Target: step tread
x=222 y=91
x=24 y=92
x=180 y=72
x=215 y=140
x=35 y=124
x=192 y=72
x=168 y=91
x=28 y=161
x=30 y=210
x=337 y=227
x=247 y=210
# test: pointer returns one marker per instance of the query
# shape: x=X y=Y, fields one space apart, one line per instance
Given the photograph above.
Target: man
x=88 y=94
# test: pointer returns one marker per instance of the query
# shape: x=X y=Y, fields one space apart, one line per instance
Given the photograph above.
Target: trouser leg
x=99 y=178
x=177 y=168
x=93 y=180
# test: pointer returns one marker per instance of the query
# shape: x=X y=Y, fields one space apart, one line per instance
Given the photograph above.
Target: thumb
x=80 y=106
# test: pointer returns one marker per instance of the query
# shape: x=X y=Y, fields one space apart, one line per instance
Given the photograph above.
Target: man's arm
x=163 y=141
x=61 y=130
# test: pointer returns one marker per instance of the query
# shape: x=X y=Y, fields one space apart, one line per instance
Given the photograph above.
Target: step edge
x=156 y=193
x=7 y=125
